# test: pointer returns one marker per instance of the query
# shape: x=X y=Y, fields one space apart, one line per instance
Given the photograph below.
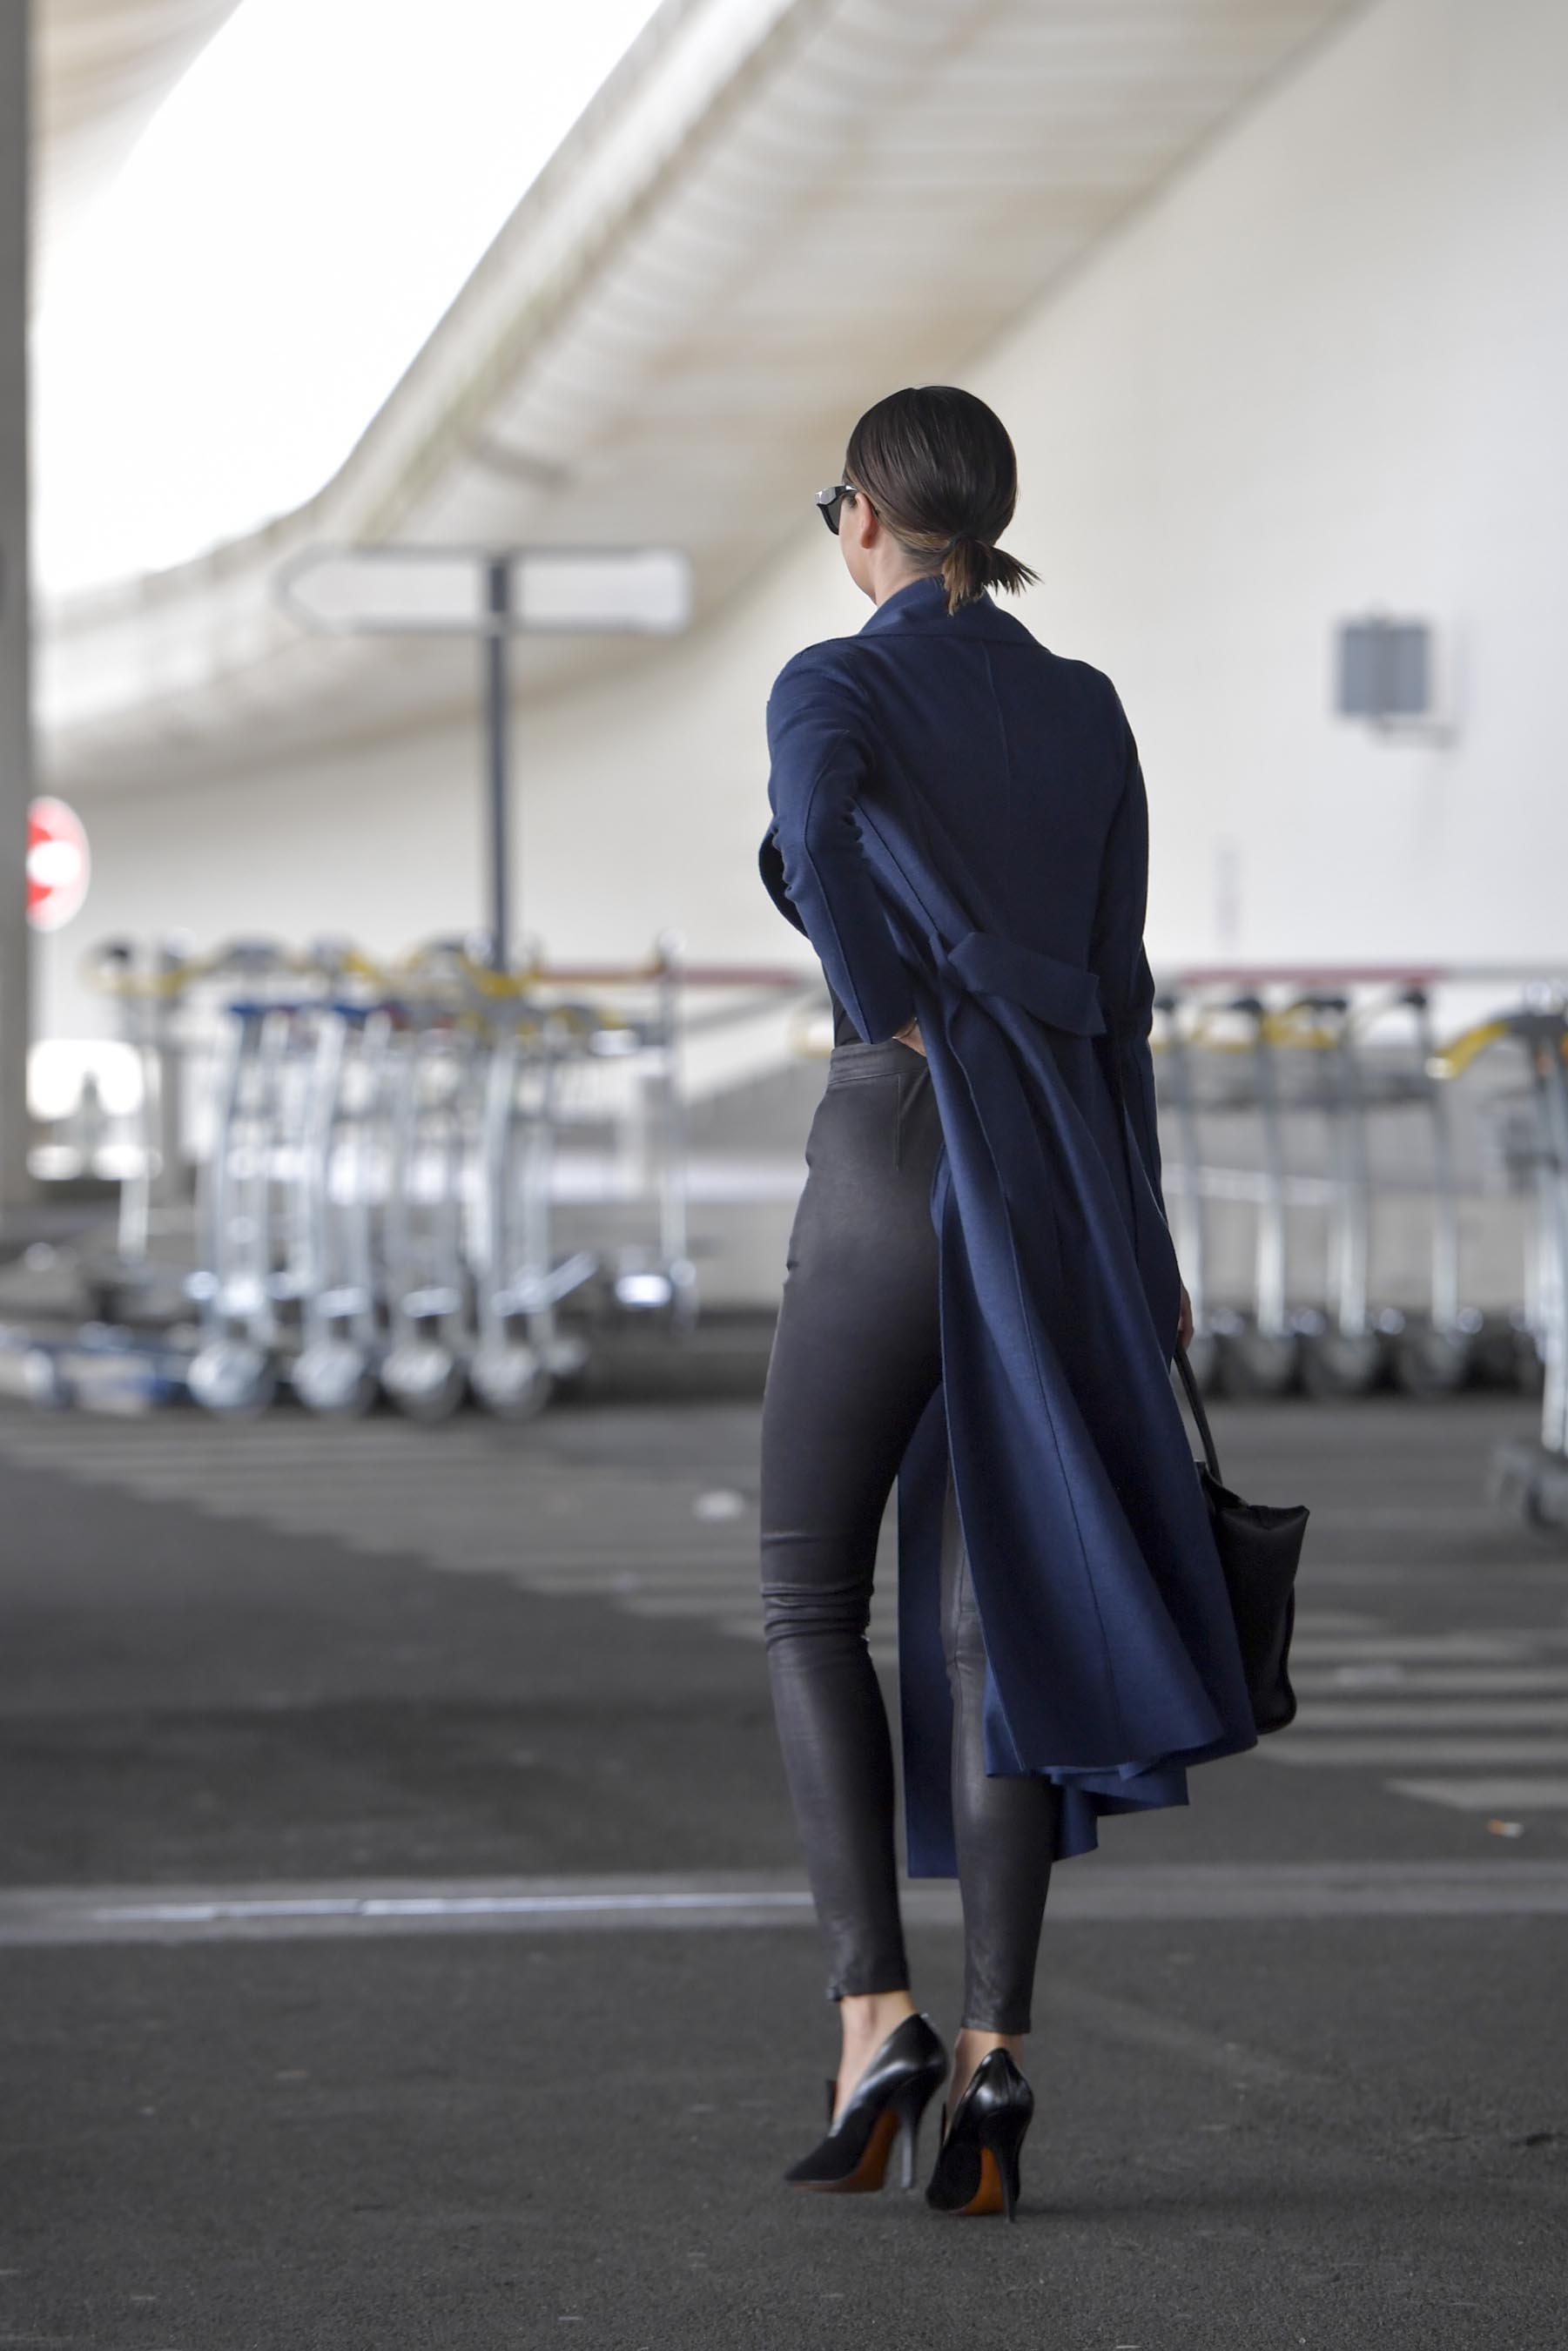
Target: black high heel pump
x=887 y=2101
x=978 y=2161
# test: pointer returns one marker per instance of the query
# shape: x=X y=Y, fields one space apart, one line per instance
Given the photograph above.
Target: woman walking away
x=981 y=1299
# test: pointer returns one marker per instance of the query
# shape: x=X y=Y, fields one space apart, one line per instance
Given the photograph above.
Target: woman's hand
x=910 y=1035
x=1183 y=1327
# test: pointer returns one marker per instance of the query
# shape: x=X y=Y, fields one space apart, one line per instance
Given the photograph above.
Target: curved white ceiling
x=101 y=69
x=773 y=209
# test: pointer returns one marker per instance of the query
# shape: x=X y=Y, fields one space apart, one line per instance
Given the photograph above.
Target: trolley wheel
x=1342 y=1364
x=1494 y=1351
x=425 y=1380
x=1260 y=1363
x=232 y=1377
x=334 y=1377
x=1429 y=1361
x=510 y=1380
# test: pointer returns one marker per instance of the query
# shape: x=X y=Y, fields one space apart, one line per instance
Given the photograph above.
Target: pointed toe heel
x=976 y=2169
x=884 y=2109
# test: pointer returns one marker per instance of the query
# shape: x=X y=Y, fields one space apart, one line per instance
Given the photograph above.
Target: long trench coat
x=960 y=828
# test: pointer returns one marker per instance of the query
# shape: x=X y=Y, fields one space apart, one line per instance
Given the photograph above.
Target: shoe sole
x=870 y=2170
x=987 y=2197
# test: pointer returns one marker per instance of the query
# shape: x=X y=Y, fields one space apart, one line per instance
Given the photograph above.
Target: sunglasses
x=828 y=502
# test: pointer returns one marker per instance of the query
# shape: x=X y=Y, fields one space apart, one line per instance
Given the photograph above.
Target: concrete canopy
x=772 y=211
x=102 y=69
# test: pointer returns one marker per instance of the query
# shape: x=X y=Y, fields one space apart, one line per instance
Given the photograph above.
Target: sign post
x=494 y=594
x=15 y=616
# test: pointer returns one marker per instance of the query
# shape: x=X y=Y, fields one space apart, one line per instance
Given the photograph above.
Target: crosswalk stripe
x=1502 y=1647
x=1404 y=1518
x=1501 y=1796
x=1333 y=1752
x=1435 y=1714
x=476 y=1498
x=1397 y=1679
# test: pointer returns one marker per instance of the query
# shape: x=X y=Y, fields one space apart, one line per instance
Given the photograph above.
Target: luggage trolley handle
x=1346 y=1111
x=1545 y=1034
x=1272 y=1319
x=1192 y=1220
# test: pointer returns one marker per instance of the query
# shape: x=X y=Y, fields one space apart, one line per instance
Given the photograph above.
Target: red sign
x=57 y=864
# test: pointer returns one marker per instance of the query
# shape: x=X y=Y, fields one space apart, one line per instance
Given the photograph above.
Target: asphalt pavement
x=402 y=1938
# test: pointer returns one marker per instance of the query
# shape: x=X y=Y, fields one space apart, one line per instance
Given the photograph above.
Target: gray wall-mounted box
x=1385 y=669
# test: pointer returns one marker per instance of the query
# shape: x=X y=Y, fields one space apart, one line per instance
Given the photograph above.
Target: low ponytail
x=941 y=472
x=972 y=565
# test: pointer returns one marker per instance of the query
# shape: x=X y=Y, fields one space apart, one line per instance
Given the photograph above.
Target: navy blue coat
x=960 y=828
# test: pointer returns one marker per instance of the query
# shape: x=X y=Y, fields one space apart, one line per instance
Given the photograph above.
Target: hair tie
x=959 y=536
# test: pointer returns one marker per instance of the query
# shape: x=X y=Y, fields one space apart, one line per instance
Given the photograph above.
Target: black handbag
x=1259 y=1547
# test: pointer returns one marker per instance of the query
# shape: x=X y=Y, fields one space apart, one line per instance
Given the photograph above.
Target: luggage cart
x=337 y=1171
x=1534 y=1479
x=1507 y=1342
x=128 y=1282
x=1263 y=1356
x=655 y=1281
x=1344 y=1352
x=1191 y=1216
x=234 y=1368
x=375 y=1180
x=1437 y=1354
x=236 y=1286
x=424 y=1279
x=513 y=1370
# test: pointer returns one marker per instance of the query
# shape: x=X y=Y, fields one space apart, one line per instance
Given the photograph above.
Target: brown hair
x=941 y=473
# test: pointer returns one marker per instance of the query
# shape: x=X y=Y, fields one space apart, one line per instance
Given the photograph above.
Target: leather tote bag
x=1259 y=1547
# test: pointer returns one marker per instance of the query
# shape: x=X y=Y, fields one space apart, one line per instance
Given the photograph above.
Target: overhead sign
x=492 y=594
x=480 y=591
x=58 y=866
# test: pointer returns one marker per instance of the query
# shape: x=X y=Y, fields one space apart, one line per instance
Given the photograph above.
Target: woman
x=981 y=1298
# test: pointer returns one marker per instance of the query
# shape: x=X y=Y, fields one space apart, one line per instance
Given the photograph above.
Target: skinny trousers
x=856 y=1355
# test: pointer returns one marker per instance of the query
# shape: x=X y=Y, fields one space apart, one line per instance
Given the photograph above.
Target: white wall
x=1327 y=369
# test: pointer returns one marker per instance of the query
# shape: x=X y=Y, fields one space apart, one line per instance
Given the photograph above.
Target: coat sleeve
x=817 y=745
x=770 y=865
x=1118 y=958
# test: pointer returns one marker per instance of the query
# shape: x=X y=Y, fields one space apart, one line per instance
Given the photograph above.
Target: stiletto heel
x=885 y=2104
x=910 y=2106
x=977 y=2162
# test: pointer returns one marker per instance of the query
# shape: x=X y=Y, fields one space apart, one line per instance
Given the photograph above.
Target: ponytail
x=971 y=565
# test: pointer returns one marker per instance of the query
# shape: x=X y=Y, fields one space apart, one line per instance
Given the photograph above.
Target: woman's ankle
x=866 y=2019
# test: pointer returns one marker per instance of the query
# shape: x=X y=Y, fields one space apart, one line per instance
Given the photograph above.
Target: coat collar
x=923 y=605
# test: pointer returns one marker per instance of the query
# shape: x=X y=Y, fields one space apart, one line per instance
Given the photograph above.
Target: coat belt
x=1064 y=994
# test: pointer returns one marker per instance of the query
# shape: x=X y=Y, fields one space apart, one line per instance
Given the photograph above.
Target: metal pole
x=15 y=681
x=498 y=711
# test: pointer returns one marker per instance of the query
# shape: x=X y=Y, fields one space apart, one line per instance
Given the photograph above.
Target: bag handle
x=1195 y=1402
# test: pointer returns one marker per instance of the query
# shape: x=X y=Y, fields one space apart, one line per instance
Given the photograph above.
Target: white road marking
x=1498 y=1886
x=1335 y=1753
x=1503 y=1797
x=1394 y=1680
x=1504 y=1647
x=1432 y=1714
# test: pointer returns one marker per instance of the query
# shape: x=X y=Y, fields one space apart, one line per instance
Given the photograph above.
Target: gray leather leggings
x=855 y=1357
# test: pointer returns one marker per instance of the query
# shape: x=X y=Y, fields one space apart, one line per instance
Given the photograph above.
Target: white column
x=16 y=666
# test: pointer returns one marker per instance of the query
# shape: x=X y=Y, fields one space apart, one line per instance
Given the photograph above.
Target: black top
x=844 y=1029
